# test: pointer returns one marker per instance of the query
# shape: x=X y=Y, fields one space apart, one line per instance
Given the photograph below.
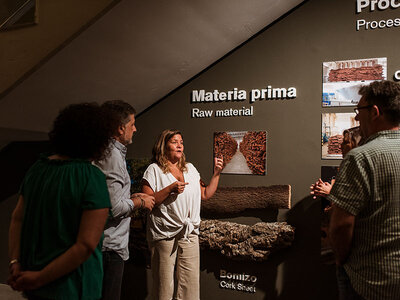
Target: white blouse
x=178 y=211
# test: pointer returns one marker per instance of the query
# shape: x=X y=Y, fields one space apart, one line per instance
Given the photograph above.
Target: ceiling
x=138 y=51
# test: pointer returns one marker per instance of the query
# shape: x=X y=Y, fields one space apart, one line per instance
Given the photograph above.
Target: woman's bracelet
x=141 y=201
x=13 y=261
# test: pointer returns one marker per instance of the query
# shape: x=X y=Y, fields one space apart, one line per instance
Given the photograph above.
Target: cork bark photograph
x=244 y=152
x=333 y=125
x=343 y=79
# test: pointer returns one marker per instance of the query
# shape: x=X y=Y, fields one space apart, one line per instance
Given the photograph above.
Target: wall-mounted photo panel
x=333 y=125
x=342 y=79
x=244 y=152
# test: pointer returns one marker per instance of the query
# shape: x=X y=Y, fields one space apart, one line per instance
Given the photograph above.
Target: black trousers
x=113 y=266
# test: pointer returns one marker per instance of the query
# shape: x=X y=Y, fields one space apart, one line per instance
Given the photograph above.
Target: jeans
x=346 y=291
x=113 y=266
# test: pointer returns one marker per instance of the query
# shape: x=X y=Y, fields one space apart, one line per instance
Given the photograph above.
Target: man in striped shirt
x=365 y=220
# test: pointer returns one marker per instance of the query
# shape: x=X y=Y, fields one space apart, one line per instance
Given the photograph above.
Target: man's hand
x=149 y=201
x=320 y=188
x=143 y=200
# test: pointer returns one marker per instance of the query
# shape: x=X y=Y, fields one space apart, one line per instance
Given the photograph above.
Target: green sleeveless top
x=56 y=192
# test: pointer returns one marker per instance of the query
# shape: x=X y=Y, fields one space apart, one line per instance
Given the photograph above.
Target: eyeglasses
x=357 y=109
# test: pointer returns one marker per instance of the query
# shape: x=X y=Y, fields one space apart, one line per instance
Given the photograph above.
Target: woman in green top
x=57 y=225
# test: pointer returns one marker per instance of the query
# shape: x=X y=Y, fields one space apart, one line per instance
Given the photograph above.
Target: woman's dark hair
x=352 y=136
x=81 y=131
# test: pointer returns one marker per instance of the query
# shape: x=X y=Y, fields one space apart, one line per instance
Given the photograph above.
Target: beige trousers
x=185 y=255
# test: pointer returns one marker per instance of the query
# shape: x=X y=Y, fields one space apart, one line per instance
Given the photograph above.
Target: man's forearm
x=122 y=207
x=121 y=204
x=341 y=229
x=341 y=243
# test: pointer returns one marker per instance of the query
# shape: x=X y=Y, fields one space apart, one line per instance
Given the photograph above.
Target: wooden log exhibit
x=233 y=200
x=244 y=242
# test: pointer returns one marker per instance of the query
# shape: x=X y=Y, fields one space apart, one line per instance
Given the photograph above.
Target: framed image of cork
x=333 y=125
x=341 y=80
x=244 y=152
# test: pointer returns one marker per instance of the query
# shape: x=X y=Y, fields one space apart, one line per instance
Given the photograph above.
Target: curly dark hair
x=119 y=111
x=82 y=131
x=386 y=95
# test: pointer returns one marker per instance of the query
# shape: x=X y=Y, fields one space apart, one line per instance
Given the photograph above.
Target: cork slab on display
x=243 y=242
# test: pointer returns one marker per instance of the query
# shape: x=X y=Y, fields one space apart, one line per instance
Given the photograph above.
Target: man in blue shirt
x=116 y=233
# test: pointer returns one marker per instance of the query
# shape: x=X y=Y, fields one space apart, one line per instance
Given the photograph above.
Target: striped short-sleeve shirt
x=368 y=187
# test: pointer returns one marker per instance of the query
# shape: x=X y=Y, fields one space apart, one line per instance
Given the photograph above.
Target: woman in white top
x=173 y=225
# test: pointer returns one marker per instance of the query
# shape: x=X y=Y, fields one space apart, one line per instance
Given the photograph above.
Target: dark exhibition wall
x=131 y=49
x=290 y=53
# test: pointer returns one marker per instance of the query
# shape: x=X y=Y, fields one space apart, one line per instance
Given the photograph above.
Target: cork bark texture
x=334 y=144
x=244 y=242
x=225 y=146
x=356 y=74
x=253 y=148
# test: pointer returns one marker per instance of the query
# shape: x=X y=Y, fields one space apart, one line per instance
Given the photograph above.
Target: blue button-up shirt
x=116 y=233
